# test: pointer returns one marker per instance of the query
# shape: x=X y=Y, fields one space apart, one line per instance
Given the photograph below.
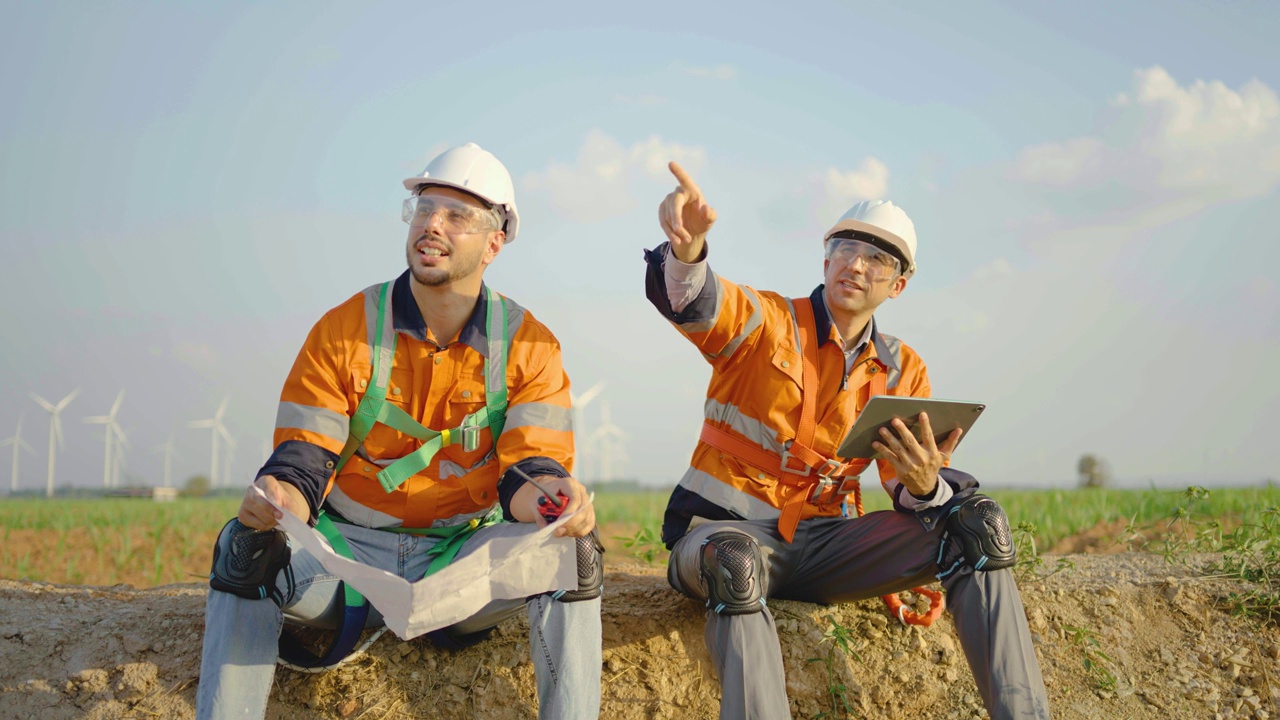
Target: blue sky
x=185 y=188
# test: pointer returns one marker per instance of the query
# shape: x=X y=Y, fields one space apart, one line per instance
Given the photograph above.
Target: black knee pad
x=590 y=570
x=732 y=573
x=246 y=562
x=981 y=528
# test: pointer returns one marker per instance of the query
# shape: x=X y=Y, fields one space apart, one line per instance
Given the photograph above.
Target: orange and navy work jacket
x=750 y=338
x=438 y=387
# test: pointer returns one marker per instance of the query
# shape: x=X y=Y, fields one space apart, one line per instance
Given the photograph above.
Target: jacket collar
x=823 y=320
x=407 y=319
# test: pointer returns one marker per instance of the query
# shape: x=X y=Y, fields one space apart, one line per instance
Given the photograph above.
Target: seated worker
x=397 y=429
x=758 y=514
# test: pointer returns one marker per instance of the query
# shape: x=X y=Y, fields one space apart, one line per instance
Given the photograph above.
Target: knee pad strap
x=247 y=562
x=732 y=573
x=590 y=570
x=981 y=528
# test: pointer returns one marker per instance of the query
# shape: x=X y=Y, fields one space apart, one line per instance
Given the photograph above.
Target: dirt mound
x=1119 y=636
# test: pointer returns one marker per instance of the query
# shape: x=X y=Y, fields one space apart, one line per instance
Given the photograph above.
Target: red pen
x=557 y=502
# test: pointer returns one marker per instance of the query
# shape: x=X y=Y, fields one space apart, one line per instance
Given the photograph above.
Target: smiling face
x=855 y=286
x=439 y=253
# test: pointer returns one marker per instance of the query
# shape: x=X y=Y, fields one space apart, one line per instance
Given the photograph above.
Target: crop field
x=143 y=543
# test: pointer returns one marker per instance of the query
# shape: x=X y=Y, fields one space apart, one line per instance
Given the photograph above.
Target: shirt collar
x=826 y=333
x=407 y=318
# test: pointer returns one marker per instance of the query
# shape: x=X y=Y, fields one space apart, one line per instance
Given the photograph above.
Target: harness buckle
x=829 y=468
x=785 y=465
x=843 y=486
x=470 y=438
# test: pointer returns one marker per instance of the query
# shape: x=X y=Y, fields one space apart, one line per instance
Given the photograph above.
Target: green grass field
x=142 y=542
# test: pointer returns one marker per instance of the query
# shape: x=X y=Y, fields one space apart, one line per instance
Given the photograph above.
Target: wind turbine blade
x=67 y=400
x=23 y=444
x=115 y=406
x=99 y=420
x=581 y=401
x=226 y=436
x=48 y=406
x=202 y=423
x=221 y=409
x=57 y=430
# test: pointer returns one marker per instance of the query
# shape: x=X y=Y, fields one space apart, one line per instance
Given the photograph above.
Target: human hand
x=259 y=514
x=916 y=462
x=525 y=508
x=686 y=217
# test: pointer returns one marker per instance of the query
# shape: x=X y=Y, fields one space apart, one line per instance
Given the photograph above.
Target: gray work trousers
x=834 y=560
x=240 y=642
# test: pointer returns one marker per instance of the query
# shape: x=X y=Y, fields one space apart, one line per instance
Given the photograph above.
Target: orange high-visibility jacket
x=750 y=338
x=438 y=387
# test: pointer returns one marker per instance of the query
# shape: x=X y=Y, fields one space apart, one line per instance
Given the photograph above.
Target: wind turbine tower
x=609 y=438
x=167 y=448
x=580 y=403
x=111 y=464
x=217 y=430
x=18 y=444
x=55 y=430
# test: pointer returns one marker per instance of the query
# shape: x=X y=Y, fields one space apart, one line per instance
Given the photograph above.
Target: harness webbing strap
x=374 y=409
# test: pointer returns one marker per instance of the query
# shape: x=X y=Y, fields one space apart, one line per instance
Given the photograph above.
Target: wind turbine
x=609 y=437
x=18 y=444
x=111 y=464
x=119 y=466
x=580 y=403
x=55 y=430
x=218 y=430
x=167 y=447
x=231 y=459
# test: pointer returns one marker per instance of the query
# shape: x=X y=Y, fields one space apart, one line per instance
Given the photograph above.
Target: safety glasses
x=456 y=215
x=877 y=264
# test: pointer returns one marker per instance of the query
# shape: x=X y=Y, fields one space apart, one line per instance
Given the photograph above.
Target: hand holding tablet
x=944 y=417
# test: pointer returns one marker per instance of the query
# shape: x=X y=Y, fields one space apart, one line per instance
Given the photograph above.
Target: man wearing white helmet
x=760 y=512
x=406 y=430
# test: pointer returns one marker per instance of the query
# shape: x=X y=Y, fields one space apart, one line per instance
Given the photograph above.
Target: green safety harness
x=373 y=410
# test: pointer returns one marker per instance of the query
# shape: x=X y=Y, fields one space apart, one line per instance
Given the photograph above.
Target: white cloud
x=598 y=184
x=1202 y=142
x=838 y=190
x=722 y=71
x=868 y=182
x=1060 y=163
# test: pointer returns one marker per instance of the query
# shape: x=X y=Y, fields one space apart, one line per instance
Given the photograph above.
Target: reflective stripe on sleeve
x=540 y=415
x=333 y=425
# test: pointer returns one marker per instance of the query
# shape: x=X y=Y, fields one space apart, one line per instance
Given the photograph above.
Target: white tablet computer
x=944 y=416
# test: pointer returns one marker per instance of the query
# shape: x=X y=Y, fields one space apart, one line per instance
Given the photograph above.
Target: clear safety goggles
x=877 y=264
x=457 y=216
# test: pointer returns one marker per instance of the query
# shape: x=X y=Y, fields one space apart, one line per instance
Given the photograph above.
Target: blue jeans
x=240 y=638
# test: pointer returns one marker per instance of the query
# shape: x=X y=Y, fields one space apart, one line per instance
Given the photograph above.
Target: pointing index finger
x=685 y=181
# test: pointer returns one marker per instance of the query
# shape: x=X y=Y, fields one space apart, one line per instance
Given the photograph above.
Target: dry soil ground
x=1158 y=629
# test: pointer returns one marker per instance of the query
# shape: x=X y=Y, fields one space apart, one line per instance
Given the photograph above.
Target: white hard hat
x=476 y=171
x=884 y=221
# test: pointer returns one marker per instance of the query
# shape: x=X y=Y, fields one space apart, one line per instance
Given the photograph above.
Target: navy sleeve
x=702 y=308
x=305 y=466
x=510 y=482
x=682 y=508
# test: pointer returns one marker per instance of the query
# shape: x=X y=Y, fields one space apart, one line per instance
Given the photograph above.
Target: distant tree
x=1093 y=471
x=197 y=486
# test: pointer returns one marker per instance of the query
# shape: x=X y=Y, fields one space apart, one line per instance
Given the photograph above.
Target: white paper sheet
x=502 y=569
